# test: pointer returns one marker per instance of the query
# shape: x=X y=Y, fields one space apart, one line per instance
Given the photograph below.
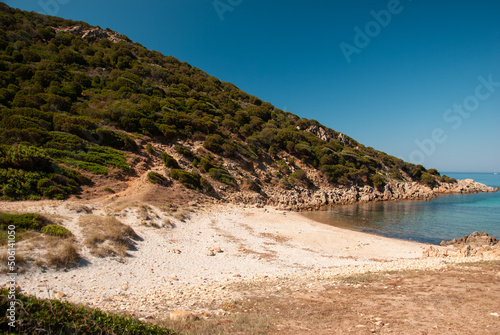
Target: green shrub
x=395 y=174
x=58 y=318
x=428 y=180
x=156 y=178
x=299 y=176
x=284 y=183
x=115 y=140
x=169 y=161
x=434 y=172
x=170 y=132
x=447 y=179
x=205 y=164
x=184 y=151
x=377 y=181
x=86 y=166
x=22 y=221
x=109 y=190
x=213 y=143
x=149 y=149
x=188 y=179
x=221 y=175
x=24 y=157
x=56 y=230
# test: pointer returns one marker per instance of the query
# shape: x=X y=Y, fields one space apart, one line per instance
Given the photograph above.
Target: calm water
x=443 y=218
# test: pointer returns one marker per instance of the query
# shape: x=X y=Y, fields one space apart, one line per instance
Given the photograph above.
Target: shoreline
x=173 y=268
x=308 y=199
x=378 y=232
x=202 y=254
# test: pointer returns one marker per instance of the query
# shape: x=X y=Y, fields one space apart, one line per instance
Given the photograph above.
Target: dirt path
x=459 y=299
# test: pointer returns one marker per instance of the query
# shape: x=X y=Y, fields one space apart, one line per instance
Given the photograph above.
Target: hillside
x=85 y=111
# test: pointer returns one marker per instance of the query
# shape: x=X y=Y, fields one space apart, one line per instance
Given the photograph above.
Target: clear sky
x=417 y=79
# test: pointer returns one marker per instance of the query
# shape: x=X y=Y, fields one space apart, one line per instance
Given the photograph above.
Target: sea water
x=443 y=218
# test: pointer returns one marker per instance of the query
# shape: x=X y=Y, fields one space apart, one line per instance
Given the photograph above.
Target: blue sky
x=410 y=67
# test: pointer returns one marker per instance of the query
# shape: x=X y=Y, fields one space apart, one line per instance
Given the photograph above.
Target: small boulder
x=217 y=249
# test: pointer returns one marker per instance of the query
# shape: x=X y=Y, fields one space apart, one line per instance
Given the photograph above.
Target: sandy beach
x=204 y=255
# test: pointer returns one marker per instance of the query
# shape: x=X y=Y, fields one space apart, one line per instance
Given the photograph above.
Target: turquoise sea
x=443 y=218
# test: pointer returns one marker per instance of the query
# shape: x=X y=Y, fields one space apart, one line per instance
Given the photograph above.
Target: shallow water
x=443 y=218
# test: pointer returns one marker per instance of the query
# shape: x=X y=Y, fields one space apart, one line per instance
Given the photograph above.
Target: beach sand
x=205 y=256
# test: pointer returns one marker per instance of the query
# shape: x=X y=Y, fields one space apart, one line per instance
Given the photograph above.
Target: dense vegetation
x=26 y=224
x=72 y=101
x=40 y=316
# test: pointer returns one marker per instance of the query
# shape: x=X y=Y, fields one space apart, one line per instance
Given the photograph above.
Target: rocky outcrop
x=325 y=135
x=320 y=132
x=464 y=186
x=303 y=199
x=93 y=34
x=474 y=245
x=475 y=239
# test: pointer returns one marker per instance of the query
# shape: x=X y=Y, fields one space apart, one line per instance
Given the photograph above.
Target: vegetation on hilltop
x=74 y=100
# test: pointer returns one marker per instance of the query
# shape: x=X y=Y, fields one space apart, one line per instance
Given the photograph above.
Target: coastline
x=306 y=199
x=174 y=268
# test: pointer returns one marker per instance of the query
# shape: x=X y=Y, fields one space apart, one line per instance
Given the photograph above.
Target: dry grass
x=19 y=260
x=46 y=250
x=182 y=215
x=106 y=236
x=64 y=256
x=143 y=212
x=238 y=323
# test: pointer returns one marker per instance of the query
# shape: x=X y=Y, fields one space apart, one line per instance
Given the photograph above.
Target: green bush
x=58 y=318
x=156 y=178
x=221 y=175
x=205 y=164
x=169 y=161
x=184 y=151
x=434 y=172
x=86 y=166
x=428 y=180
x=24 y=157
x=213 y=143
x=109 y=190
x=56 y=230
x=22 y=221
x=189 y=179
x=447 y=179
x=24 y=184
x=300 y=177
x=377 y=181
